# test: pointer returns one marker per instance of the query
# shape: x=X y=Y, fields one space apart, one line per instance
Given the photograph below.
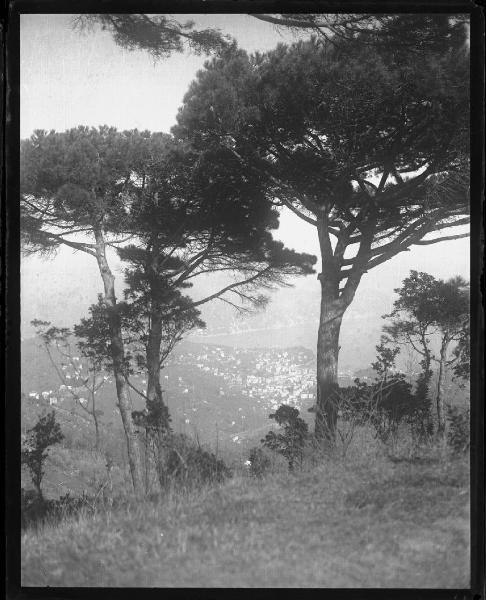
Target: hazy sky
x=70 y=78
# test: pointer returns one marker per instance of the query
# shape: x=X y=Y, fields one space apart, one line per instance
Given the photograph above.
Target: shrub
x=420 y=419
x=189 y=465
x=394 y=403
x=259 y=462
x=384 y=405
x=32 y=508
x=458 y=434
x=35 y=509
x=45 y=433
x=290 y=444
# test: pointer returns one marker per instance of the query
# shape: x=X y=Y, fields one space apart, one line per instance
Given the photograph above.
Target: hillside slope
x=371 y=523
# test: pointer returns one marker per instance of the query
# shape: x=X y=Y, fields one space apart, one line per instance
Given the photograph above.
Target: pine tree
x=367 y=145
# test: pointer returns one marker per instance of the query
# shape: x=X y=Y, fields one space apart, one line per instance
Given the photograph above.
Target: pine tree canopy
x=173 y=212
x=368 y=145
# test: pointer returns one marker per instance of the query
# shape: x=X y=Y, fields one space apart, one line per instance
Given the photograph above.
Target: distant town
x=208 y=386
x=271 y=375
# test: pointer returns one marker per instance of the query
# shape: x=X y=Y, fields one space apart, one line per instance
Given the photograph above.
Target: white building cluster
x=264 y=376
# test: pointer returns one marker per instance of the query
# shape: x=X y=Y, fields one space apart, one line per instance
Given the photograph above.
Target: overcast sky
x=70 y=78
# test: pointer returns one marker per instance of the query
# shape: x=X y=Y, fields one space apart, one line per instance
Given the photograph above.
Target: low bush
x=189 y=465
x=259 y=461
x=384 y=405
x=292 y=441
x=35 y=509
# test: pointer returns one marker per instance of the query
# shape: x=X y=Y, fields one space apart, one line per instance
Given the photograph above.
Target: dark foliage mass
x=45 y=433
x=290 y=442
x=384 y=405
x=189 y=465
x=458 y=432
x=259 y=462
x=35 y=510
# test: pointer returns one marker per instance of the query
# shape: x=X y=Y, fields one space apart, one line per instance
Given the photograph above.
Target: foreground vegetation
x=368 y=520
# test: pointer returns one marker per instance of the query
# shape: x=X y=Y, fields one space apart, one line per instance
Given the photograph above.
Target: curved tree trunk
x=118 y=357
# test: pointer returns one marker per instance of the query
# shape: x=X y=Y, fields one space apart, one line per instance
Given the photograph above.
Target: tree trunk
x=331 y=314
x=441 y=420
x=94 y=415
x=37 y=480
x=97 y=429
x=423 y=425
x=147 y=458
x=327 y=364
x=157 y=409
x=118 y=357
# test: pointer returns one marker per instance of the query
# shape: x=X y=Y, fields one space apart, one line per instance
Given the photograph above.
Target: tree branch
x=83 y=247
x=445 y=238
x=231 y=287
x=298 y=213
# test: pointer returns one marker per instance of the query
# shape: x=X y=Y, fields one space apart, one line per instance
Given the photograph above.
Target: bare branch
x=232 y=287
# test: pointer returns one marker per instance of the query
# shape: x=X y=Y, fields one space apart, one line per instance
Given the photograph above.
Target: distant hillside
x=291 y=319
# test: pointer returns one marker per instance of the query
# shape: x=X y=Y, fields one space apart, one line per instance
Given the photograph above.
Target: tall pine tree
x=368 y=145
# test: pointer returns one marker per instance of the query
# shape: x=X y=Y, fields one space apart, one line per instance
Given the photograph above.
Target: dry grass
x=75 y=471
x=362 y=522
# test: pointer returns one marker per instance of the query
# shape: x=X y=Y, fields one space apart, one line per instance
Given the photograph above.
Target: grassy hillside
x=366 y=522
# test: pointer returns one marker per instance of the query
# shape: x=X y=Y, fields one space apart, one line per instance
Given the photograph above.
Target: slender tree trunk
x=441 y=420
x=147 y=460
x=97 y=428
x=158 y=411
x=94 y=415
x=423 y=424
x=118 y=357
x=37 y=480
